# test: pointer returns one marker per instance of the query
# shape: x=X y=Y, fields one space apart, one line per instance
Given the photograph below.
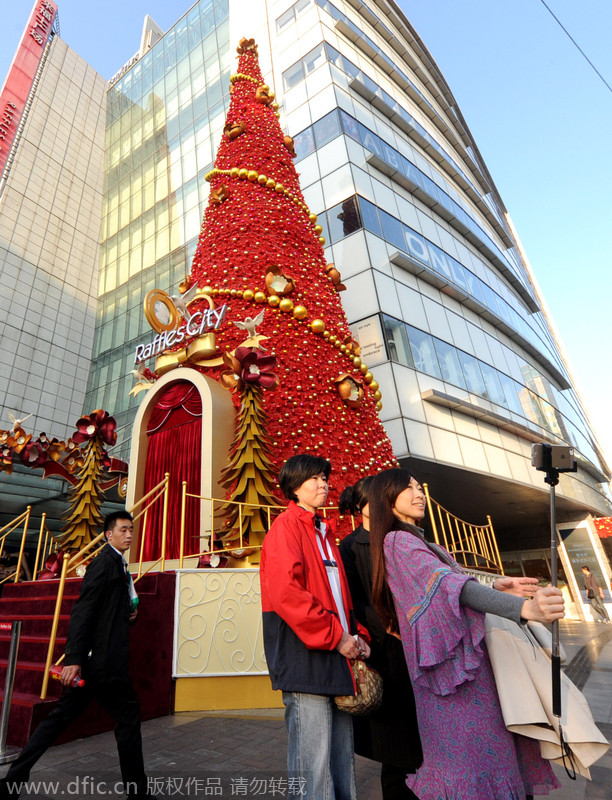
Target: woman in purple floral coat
x=423 y=595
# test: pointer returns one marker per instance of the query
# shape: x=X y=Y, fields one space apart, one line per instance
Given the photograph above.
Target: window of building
x=423 y=352
x=396 y=338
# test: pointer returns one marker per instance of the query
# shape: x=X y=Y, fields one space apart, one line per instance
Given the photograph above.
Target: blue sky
x=540 y=116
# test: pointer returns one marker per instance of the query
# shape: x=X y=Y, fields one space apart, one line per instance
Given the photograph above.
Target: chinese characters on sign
x=22 y=73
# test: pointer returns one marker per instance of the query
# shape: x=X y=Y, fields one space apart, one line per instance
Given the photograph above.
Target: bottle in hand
x=56 y=673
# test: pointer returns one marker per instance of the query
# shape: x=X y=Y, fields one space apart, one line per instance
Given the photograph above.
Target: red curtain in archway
x=174 y=436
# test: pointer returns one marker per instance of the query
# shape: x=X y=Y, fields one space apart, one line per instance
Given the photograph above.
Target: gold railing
x=221 y=512
x=86 y=554
x=45 y=545
x=473 y=546
x=5 y=531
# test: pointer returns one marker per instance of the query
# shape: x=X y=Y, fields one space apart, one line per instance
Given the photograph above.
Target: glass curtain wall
x=164 y=120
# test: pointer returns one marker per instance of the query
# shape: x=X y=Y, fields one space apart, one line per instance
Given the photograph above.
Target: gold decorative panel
x=218 y=629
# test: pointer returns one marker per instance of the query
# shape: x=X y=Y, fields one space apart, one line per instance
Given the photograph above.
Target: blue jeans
x=320 y=746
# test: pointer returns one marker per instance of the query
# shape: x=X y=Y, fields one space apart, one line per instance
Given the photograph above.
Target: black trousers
x=118 y=698
x=393 y=783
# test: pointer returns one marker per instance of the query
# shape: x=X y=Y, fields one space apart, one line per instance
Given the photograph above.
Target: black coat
x=99 y=629
x=391 y=734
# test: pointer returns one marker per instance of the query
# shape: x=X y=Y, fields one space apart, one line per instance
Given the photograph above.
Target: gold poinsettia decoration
x=246 y=46
x=335 y=277
x=219 y=195
x=289 y=144
x=278 y=283
x=350 y=390
x=18 y=439
x=233 y=130
x=263 y=95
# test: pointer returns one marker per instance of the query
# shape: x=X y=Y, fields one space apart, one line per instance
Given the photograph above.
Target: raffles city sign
x=175 y=325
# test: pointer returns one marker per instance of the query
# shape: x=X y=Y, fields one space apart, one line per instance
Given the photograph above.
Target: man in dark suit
x=97 y=648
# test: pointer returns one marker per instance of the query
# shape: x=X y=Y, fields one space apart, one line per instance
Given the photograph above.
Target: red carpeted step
x=40 y=624
x=30 y=647
x=29 y=676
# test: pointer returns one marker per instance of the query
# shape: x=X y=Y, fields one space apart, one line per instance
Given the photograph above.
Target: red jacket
x=301 y=626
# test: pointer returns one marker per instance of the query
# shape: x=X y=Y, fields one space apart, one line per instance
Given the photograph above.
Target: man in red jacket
x=310 y=633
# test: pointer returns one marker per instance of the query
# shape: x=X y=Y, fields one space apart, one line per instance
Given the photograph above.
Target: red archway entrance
x=174 y=439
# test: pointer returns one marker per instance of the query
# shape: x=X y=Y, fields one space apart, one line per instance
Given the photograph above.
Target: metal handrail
x=24 y=518
x=86 y=554
x=463 y=539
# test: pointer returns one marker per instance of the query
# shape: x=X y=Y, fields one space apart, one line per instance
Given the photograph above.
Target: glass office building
x=438 y=293
x=164 y=115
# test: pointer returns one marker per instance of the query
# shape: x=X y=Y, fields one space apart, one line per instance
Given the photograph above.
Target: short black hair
x=110 y=520
x=298 y=469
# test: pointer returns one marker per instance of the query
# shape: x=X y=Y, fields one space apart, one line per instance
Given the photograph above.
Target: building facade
x=51 y=156
x=438 y=294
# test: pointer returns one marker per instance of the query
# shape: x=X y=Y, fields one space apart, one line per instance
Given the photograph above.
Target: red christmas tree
x=261 y=253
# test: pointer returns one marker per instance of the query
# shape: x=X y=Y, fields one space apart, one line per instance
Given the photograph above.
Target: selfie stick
x=552 y=479
x=553 y=459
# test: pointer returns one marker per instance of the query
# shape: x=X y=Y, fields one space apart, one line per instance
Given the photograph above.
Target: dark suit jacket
x=99 y=630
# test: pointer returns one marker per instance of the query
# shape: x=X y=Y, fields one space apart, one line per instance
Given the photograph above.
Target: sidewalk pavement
x=242 y=754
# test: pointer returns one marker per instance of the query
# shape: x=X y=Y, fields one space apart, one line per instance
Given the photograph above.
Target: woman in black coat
x=391 y=734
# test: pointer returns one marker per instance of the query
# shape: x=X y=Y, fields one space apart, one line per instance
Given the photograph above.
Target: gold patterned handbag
x=369 y=686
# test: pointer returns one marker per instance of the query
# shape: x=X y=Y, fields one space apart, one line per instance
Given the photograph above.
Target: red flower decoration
x=256 y=368
x=33 y=455
x=98 y=422
x=249 y=365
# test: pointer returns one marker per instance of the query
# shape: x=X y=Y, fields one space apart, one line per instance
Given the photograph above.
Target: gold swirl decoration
x=218 y=625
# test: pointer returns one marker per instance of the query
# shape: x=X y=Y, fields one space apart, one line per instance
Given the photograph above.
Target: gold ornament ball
x=242 y=173
x=377 y=395
x=259 y=297
x=321 y=240
x=262 y=179
x=300 y=312
x=356 y=361
x=333 y=338
x=338 y=344
x=234 y=171
x=374 y=385
x=363 y=368
x=252 y=175
x=279 y=188
x=378 y=405
x=207 y=290
x=270 y=183
x=317 y=326
x=286 y=304
x=343 y=348
x=248 y=294
x=367 y=376
x=273 y=300
x=312 y=217
x=318 y=229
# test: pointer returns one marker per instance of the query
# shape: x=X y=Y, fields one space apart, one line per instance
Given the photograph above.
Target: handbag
x=522 y=672
x=369 y=690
